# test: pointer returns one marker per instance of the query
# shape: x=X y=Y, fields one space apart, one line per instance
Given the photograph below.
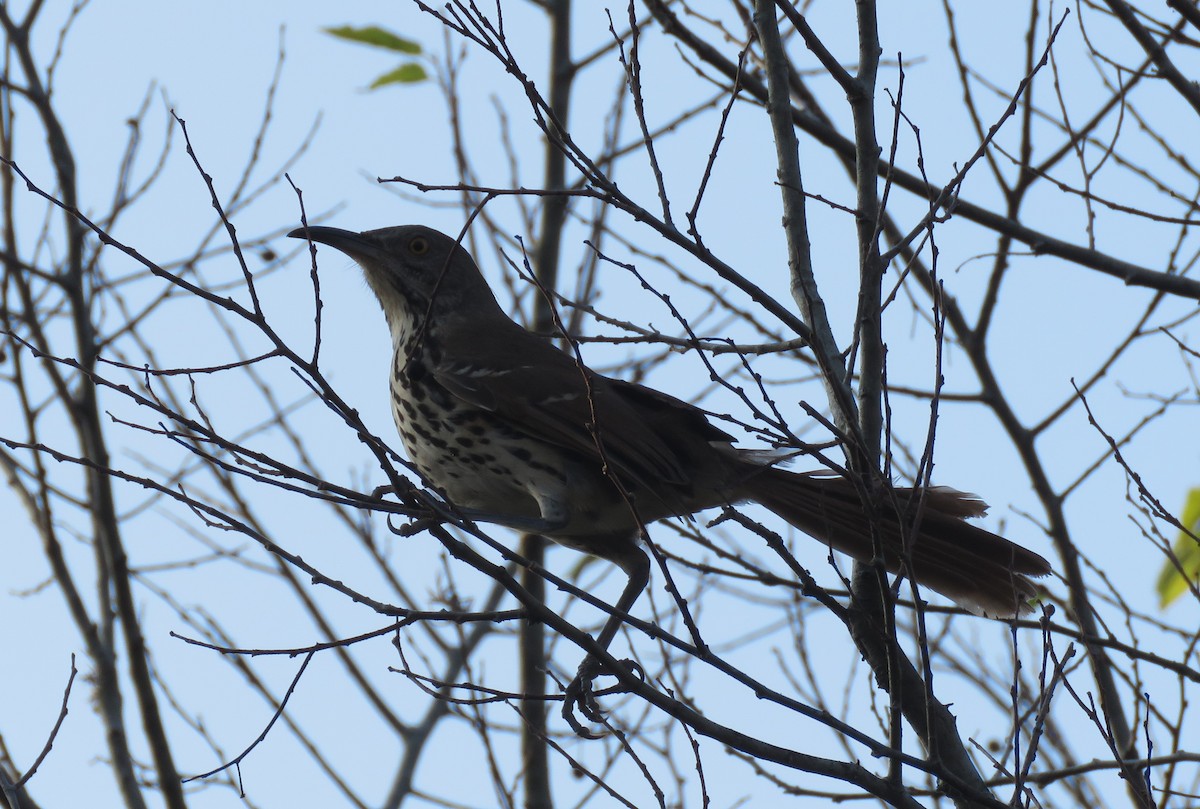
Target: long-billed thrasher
x=515 y=432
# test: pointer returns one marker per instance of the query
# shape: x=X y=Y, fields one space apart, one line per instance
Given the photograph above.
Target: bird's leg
x=526 y=525
x=637 y=568
x=553 y=513
x=579 y=692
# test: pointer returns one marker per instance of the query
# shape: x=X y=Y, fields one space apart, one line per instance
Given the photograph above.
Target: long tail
x=980 y=571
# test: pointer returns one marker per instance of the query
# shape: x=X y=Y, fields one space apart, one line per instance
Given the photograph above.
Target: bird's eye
x=419 y=246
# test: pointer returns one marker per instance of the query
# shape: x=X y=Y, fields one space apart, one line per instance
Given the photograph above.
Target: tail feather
x=980 y=571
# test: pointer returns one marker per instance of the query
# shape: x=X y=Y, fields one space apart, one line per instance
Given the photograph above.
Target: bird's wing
x=543 y=392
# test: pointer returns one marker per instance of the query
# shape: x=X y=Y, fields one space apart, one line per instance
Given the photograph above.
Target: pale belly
x=480 y=463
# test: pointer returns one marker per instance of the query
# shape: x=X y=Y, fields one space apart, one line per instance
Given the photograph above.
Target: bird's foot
x=408 y=529
x=416 y=526
x=581 y=694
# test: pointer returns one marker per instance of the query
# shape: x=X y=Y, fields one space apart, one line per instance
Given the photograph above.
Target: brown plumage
x=516 y=432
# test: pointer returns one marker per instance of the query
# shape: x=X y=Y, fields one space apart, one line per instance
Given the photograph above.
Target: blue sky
x=213 y=63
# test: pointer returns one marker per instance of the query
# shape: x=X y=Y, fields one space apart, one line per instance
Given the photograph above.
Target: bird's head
x=415 y=271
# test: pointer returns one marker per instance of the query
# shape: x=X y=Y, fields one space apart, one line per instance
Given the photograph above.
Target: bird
x=514 y=431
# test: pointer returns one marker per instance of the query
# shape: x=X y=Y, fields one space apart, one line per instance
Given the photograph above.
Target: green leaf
x=376 y=37
x=405 y=74
x=1171 y=583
